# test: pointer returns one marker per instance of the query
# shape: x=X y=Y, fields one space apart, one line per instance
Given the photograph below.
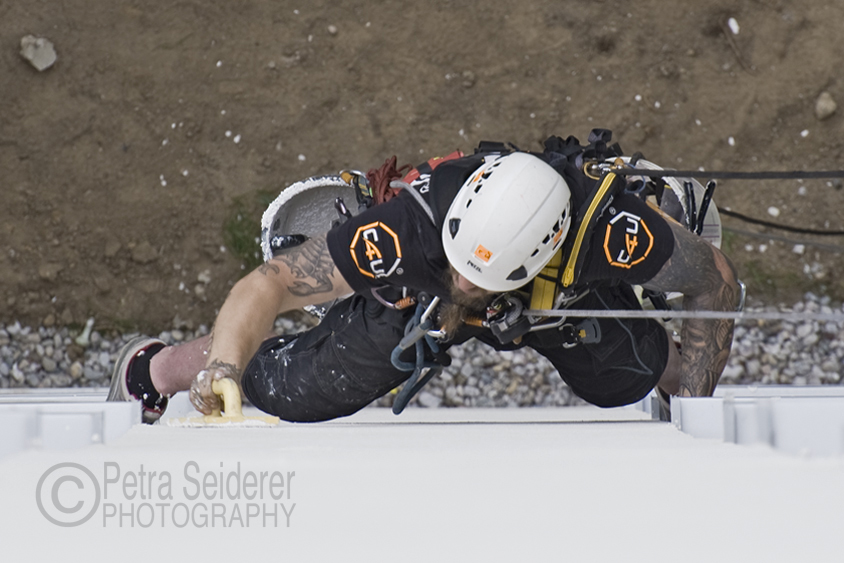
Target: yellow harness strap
x=585 y=222
x=545 y=292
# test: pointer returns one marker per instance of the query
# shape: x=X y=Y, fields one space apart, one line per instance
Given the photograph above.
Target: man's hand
x=202 y=395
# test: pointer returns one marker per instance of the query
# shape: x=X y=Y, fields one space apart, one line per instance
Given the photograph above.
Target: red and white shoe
x=119 y=389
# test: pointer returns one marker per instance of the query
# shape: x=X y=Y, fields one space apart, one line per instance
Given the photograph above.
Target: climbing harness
x=418 y=333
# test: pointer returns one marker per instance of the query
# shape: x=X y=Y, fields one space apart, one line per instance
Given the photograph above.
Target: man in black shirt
x=471 y=229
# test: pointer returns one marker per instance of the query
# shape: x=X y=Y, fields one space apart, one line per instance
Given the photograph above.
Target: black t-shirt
x=397 y=244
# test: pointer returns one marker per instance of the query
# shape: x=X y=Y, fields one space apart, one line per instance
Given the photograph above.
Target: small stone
x=144 y=253
x=332 y=29
x=733 y=372
x=48 y=364
x=67 y=316
x=92 y=374
x=830 y=366
x=429 y=400
x=199 y=290
x=471 y=391
x=75 y=352
x=112 y=247
x=104 y=359
x=184 y=324
x=825 y=106
x=76 y=370
x=49 y=320
x=177 y=335
x=38 y=51
x=734 y=26
x=811 y=340
x=49 y=272
x=5 y=369
x=103 y=282
x=60 y=380
x=805 y=330
x=204 y=277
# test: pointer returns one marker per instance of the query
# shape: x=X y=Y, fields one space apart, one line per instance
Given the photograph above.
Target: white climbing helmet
x=507 y=221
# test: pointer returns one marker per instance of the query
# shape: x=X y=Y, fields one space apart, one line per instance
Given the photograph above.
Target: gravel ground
x=772 y=352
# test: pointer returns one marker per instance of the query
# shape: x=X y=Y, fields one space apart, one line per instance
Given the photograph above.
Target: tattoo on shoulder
x=268 y=267
x=311 y=266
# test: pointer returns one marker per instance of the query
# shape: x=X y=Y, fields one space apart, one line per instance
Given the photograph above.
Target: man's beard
x=462 y=307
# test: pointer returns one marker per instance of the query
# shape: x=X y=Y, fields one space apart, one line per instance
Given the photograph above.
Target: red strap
x=379 y=178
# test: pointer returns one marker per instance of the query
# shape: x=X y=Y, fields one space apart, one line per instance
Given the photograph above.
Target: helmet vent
x=453 y=227
x=519 y=273
x=535 y=252
x=546 y=239
x=468 y=203
x=478 y=187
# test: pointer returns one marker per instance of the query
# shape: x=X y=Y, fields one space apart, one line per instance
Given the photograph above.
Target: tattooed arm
x=707 y=280
x=299 y=276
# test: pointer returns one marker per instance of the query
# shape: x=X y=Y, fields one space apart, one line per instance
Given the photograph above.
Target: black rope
x=767 y=175
x=721 y=174
x=788 y=228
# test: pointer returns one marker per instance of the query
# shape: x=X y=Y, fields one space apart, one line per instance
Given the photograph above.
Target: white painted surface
x=578 y=484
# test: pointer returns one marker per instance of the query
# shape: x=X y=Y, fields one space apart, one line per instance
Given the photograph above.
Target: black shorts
x=620 y=369
x=343 y=364
x=332 y=370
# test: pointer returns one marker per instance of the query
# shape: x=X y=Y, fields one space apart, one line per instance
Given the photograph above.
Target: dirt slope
x=120 y=165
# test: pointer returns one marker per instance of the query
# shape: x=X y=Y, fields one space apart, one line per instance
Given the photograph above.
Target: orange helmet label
x=483 y=253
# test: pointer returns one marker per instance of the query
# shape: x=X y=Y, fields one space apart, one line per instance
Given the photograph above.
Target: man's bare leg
x=174 y=367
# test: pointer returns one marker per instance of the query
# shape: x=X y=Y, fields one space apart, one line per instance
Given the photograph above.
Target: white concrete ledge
x=796 y=420
x=61 y=419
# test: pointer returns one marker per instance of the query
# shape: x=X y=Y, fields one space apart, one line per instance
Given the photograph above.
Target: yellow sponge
x=232 y=411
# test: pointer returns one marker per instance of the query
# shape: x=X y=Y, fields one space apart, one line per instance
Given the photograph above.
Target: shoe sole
x=118 y=390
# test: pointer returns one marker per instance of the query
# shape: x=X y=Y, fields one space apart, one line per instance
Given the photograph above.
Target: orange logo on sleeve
x=376 y=250
x=628 y=240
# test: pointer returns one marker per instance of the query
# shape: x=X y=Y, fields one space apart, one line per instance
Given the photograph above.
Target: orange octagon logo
x=376 y=250
x=628 y=240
